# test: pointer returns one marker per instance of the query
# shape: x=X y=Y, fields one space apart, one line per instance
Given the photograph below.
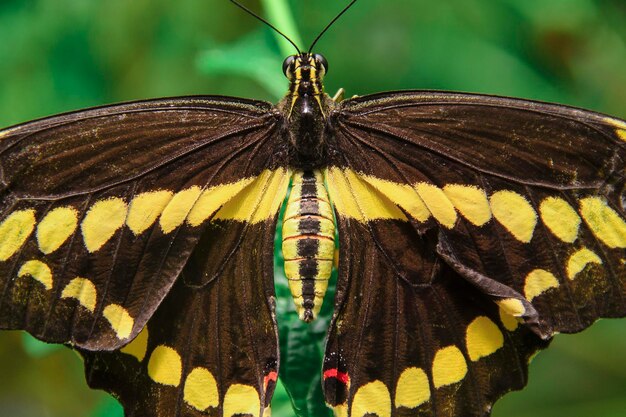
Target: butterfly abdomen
x=308 y=242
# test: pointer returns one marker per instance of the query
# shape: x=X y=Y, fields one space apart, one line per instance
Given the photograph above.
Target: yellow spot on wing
x=449 y=366
x=165 y=366
x=438 y=203
x=340 y=410
x=355 y=198
x=213 y=198
x=145 y=208
x=483 y=338
x=412 y=389
x=274 y=196
x=515 y=213
x=241 y=399
x=341 y=195
x=619 y=124
x=176 y=211
x=138 y=346
x=121 y=322
x=470 y=201
x=55 y=228
x=39 y=271
x=82 y=290
x=371 y=398
x=560 y=218
x=200 y=390
x=537 y=282
x=14 y=231
x=508 y=321
x=579 y=260
x=512 y=306
x=403 y=195
x=604 y=222
x=615 y=122
x=103 y=219
x=258 y=201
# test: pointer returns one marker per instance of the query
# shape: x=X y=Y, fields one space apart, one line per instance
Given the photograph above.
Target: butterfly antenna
x=256 y=16
x=345 y=9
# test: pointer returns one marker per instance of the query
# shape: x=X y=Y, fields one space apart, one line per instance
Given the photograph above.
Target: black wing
x=208 y=350
x=461 y=217
x=102 y=209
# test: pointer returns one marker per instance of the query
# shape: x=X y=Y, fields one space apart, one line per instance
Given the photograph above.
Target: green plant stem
x=279 y=14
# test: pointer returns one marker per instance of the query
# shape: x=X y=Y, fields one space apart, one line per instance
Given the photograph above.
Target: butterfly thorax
x=306 y=108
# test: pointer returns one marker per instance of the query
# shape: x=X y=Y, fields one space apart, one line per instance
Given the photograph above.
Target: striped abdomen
x=308 y=242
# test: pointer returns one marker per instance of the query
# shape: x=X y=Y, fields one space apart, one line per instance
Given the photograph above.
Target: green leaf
x=36 y=348
x=253 y=56
x=281 y=16
x=109 y=407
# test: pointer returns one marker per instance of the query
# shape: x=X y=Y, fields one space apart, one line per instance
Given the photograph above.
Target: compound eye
x=287 y=65
x=323 y=64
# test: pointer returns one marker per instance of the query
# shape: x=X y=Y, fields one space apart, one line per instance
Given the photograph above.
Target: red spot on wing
x=270 y=377
x=340 y=376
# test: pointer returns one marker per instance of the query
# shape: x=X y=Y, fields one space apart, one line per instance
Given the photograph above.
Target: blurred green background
x=59 y=55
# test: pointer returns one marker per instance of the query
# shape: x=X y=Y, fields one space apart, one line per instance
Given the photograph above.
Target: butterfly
x=471 y=229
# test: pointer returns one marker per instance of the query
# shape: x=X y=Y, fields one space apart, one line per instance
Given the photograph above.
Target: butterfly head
x=305 y=72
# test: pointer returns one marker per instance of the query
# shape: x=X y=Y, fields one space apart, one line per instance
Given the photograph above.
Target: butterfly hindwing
x=102 y=208
x=208 y=350
x=507 y=211
x=399 y=348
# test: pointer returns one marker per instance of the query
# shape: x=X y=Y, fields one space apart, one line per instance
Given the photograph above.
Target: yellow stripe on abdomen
x=308 y=242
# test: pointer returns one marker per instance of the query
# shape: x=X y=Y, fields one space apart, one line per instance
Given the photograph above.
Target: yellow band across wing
x=354 y=195
x=366 y=198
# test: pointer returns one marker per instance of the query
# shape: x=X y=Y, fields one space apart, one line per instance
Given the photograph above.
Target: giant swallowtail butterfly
x=474 y=227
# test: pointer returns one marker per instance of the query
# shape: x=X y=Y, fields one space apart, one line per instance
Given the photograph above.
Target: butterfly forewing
x=527 y=142
x=482 y=213
x=102 y=208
